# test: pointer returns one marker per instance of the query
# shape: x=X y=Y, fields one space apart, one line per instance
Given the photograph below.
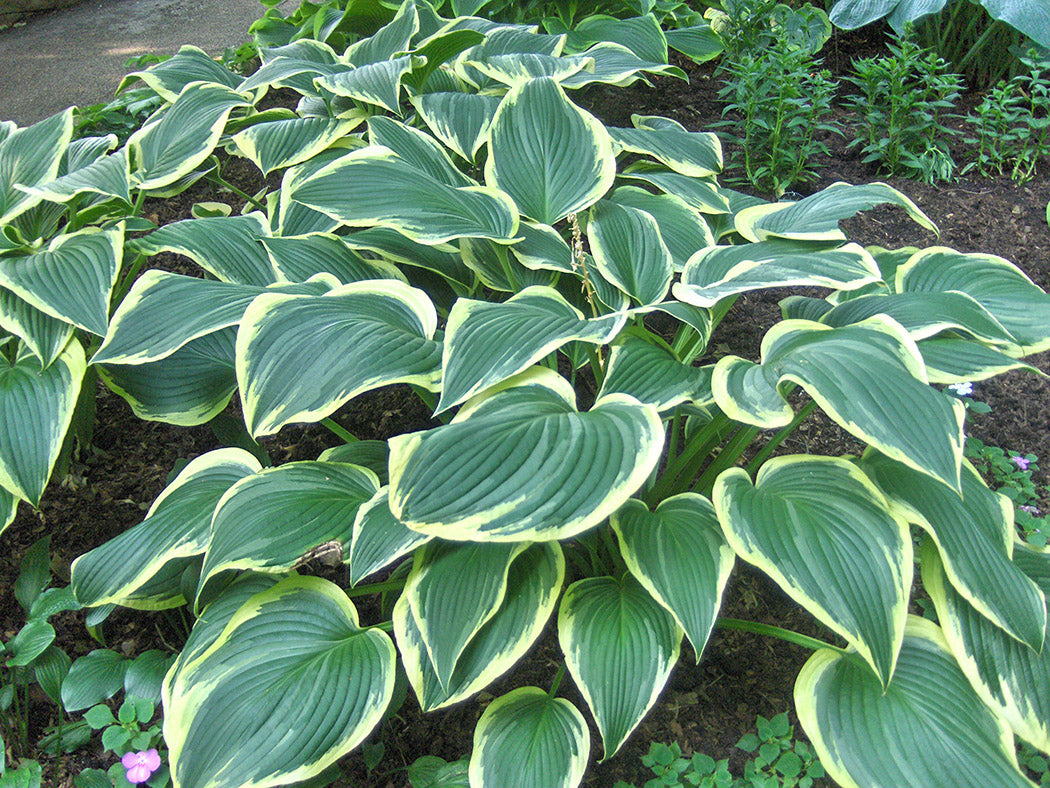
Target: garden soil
x=705 y=707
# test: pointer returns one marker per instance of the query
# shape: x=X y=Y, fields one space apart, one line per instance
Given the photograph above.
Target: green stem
x=126 y=283
x=596 y=367
x=377 y=588
x=700 y=446
x=386 y=626
x=214 y=178
x=508 y=271
x=139 y=199
x=335 y=428
x=777 y=632
x=726 y=458
x=557 y=680
x=779 y=438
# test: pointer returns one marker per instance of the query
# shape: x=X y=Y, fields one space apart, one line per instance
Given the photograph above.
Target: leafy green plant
x=904 y=99
x=131 y=730
x=779 y=759
x=1011 y=475
x=752 y=26
x=1035 y=763
x=1012 y=125
x=779 y=102
x=980 y=38
x=449 y=219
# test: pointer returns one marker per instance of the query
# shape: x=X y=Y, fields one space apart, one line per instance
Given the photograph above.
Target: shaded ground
x=76 y=56
x=705 y=708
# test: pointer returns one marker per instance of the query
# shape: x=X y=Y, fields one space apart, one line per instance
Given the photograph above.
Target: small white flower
x=963 y=389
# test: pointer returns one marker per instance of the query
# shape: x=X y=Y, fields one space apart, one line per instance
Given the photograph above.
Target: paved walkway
x=76 y=56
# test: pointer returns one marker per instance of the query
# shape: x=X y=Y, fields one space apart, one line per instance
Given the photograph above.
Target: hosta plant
x=449 y=219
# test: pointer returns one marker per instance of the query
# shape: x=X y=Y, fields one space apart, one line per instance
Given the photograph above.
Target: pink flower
x=1020 y=462
x=140 y=765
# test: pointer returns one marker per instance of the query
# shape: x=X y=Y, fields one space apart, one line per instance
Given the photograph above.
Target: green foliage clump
x=904 y=101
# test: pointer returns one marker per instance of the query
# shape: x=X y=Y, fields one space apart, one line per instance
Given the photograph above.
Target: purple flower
x=1020 y=462
x=140 y=765
x=1032 y=510
x=963 y=389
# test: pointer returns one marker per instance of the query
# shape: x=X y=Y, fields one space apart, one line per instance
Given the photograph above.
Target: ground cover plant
x=449 y=218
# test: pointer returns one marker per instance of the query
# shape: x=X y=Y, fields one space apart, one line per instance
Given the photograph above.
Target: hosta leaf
x=107 y=176
x=374 y=186
x=975 y=536
x=641 y=34
x=542 y=247
x=373 y=455
x=188 y=387
x=717 y=272
x=398 y=248
x=165 y=150
x=379 y=538
x=825 y=534
x=534 y=582
x=680 y=557
x=36 y=407
x=449 y=612
x=8 y=508
x=31 y=157
x=1000 y=287
x=272 y=520
x=300 y=358
x=389 y=40
x=652 y=375
x=615 y=64
x=293 y=218
x=817 y=217
x=497 y=270
x=681 y=227
x=699 y=43
x=226 y=246
x=924 y=315
x=697 y=154
x=701 y=194
x=521 y=67
x=868 y=378
x=954 y=360
x=460 y=120
x=629 y=251
x=529 y=739
x=620 y=646
x=440 y=48
x=375 y=83
x=296 y=657
x=165 y=311
x=300 y=257
x=189 y=64
x=488 y=342
x=44 y=335
x=295 y=66
x=417 y=149
x=177 y=525
x=71 y=279
x=549 y=155
x=285 y=143
x=1012 y=678
x=926 y=729
x=520 y=462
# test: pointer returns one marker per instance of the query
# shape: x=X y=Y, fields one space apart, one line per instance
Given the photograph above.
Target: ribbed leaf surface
x=379 y=539
x=629 y=251
x=928 y=729
x=299 y=258
x=955 y=360
x=640 y=34
x=373 y=186
x=615 y=64
x=36 y=407
x=851 y=372
x=681 y=227
x=996 y=284
x=460 y=120
x=31 y=157
x=529 y=739
x=620 y=646
x=226 y=246
x=652 y=375
x=680 y=557
x=44 y=335
x=375 y=83
x=1012 y=678
x=693 y=153
x=176 y=526
x=165 y=150
x=276 y=519
x=975 y=537
x=817 y=217
x=107 y=176
x=285 y=143
x=550 y=156
x=70 y=280
x=717 y=272
x=534 y=582
x=523 y=463
x=290 y=686
x=417 y=148
x=299 y=358
x=189 y=64
x=825 y=534
x=701 y=194
x=487 y=342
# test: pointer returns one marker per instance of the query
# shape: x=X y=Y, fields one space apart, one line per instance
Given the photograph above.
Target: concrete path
x=76 y=56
